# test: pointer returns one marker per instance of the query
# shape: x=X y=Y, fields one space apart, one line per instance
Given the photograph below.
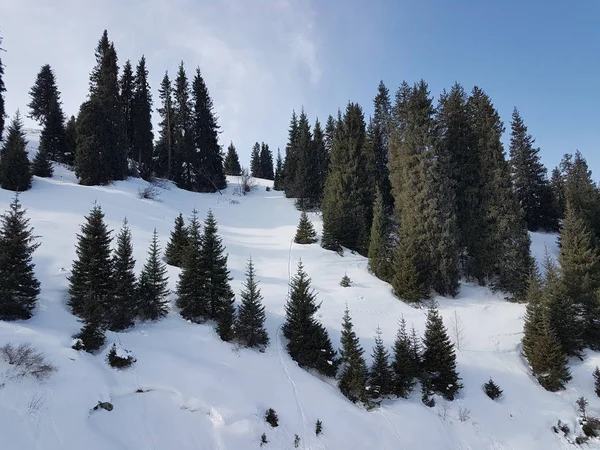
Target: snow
x=196 y=392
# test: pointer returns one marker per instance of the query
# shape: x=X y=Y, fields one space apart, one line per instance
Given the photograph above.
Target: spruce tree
x=379 y=136
x=68 y=157
x=278 y=179
x=2 y=91
x=53 y=139
x=403 y=362
x=207 y=165
x=549 y=363
x=183 y=152
x=215 y=279
x=176 y=247
x=162 y=158
x=41 y=165
x=290 y=164
x=91 y=337
x=255 y=167
x=322 y=160
x=305 y=233
x=142 y=136
x=15 y=172
x=101 y=155
x=152 y=291
x=308 y=341
x=581 y=274
x=191 y=298
x=534 y=315
x=305 y=180
x=530 y=178
x=266 y=162
x=91 y=280
x=44 y=93
x=353 y=369
x=232 y=162
x=492 y=390
x=439 y=359
x=596 y=375
x=19 y=288
x=380 y=245
x=126 y=96
x=381 y=376
x=250 y=323
x=121 y=309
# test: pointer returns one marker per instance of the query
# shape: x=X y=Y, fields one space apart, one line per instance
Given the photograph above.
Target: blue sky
x=263 y=58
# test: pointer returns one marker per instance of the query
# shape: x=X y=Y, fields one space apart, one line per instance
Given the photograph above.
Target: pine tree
x=191 y=298
x=305 y=233
x=121 y=310
x=346 y=281
x=176 y=247
x=534 y=315
x=44 y=93
x=530 y=178
x=184 y=154
x=353 y=369
x=41 y=165
x=596 y=375
x=153 y=284
x=348 y=197
x=492 y=390
x=439 y=359
x=266 y=162
x=15 y=172
x=101 y=155
x=278 y=179
x=404 y=363
x=163 y=152
x=250 y=323
x=290 y=164
x=53 y=138
x=308 y=341
x=215 y=279
x=19 y=288
x=68 y=157
x=306 y=183
x=581 y=274
x=207 y=166
x=91 y=280
x=380 y=133
x=380 y=257
x=126 y=84
x=322 y=161
x=549 y=364
x=381 y=376
x=2 y=91
x=255 y=167
x=91 y=337
x=142 y=136
x=232 y=162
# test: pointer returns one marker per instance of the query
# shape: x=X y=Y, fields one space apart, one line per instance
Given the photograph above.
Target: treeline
x=426 y=191
x=112 y=136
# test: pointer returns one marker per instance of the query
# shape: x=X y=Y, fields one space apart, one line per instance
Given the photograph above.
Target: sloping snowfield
x=201 y=393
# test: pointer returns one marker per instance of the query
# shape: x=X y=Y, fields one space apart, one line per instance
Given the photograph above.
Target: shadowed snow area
x=201 y=393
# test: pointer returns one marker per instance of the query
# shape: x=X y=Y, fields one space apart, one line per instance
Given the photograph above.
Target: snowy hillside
x=190 y=391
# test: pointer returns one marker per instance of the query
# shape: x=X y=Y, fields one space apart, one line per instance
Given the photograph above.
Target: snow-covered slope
x=201 y=393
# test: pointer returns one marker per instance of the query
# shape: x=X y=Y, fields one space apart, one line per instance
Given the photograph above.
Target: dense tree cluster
x=261 y=162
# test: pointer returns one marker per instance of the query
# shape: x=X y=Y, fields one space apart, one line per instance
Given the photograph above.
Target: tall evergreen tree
x=70 y=142
x=19 y=288
x=191 y=298
x=153 y=284
x=121 y=309
x=183 y=137
x=290 y=164
x=142 y=136
x=322 y=160
x=353 y=369
x=530 y=178
x=255 y=168
x=379 y=136
x=207 y=166
x=101 y=155
x=41 y=165
x=439 y=359
x=279 y=175
x=177 y=245
x=215 y=279
x=53 y=138
x=91 y=280
x=308 y=341
x=126 y=87
x=404 y=364
x=549 y=362
x=266 y=162
x=163 y=151
x=232 y=162
x=534 y=315
x=381 y=376
x=348 y=199
x=2 y=91
x=15 y=173
x=380 y=255
x=250 y=323
x=44 y=93
x=306 y=183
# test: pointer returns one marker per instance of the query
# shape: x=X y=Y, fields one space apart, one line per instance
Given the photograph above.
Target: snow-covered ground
x=201 y=393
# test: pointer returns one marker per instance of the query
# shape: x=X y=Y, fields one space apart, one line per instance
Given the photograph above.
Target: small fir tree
x=232 y=162
x=346 y=281
x=596 y=375
x=250 y=324
x=549 y=362
x=403 y=362
x=263 y=439
x=305 y=233
x=308 y=341
x=255 y=168
x=318 y=427
x=278 y=183
x=439 y=359
x=176 y=246
x=271 y=418
x=153 y=288
x=353 y=370
x=492 y=390
x=380 y=260
x=191 y=299
x=19 y=288
x=91 y=280
x=15 y=172
x=121 y=310
x=41 y=166
x=381 y=376
x=117 y=361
